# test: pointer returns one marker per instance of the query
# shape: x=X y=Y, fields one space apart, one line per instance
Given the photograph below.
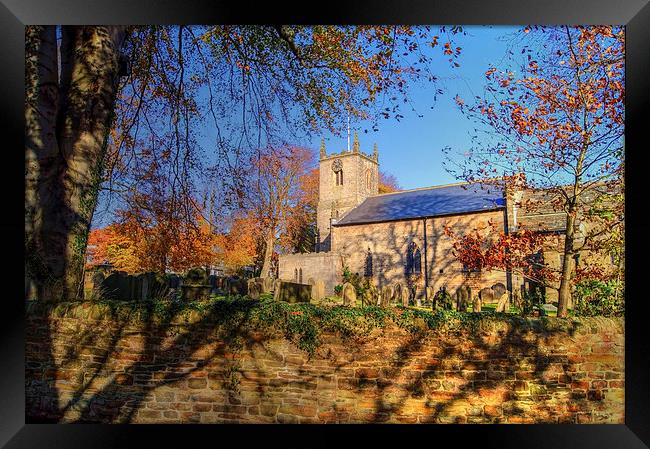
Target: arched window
x=368 y=179
x=368 y=267
x=300 y=276
x=417 y=262
x=413 y=259
x=295 y=274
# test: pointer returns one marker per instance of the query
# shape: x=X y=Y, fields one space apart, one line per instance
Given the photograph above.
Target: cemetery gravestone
x=292 y=292
x=386 y=295
x=349 y=295
x=504 y=304
x=397 y=293
x=499 y=289
x=476 y=304
x=486 y=295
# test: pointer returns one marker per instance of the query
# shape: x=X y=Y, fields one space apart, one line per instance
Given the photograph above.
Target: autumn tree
x=70 y=88
x=256 y=85
x=387 y=183
x=556 y=125
x=274 y=192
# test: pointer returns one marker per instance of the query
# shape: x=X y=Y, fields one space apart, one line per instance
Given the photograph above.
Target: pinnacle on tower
x=375 y=153
x=355 y=145
x=322 y=148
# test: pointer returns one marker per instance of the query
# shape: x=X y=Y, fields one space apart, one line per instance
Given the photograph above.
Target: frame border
x=635 y=14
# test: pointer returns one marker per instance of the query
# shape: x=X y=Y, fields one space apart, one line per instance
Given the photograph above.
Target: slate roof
x=429 y=202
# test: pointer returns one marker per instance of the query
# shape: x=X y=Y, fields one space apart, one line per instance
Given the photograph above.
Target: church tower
x=346 y=180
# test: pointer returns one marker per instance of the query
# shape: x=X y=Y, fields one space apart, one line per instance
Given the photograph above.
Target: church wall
x=324 y=266
x=388 y=242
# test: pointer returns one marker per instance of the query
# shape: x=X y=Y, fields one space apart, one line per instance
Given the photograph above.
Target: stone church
x=399 y=237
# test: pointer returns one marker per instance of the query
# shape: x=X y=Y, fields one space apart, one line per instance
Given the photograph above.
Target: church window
x=417 y=262
x=368 y=180
x=368 y=267
x=413 y=259
x=300 y=276
x=295 y=274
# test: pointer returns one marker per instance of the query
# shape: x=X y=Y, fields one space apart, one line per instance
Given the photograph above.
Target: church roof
x=428 y=202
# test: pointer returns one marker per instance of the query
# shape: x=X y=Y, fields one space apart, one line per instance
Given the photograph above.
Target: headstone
x=276 y=285
x=476 y=304
x=386 y=295
x=317 y=289
x=349 y=295
x=267 y=284
x=117 y=286
x=174 y=281
x=463 y=297
x=549 y=308
x=405 y=292
x=97 y=280
x=254 y=288
x=419 y=296
x=486 y=295
x=499 y=289
x=504 y=303
x=196 y=276
x=292 y=292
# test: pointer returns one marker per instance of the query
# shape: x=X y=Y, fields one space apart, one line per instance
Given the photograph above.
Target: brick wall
x=81 y=366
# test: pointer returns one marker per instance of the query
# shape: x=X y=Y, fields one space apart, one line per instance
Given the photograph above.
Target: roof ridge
x=424 y=188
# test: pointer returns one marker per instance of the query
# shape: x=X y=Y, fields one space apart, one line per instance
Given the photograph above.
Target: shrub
x=599 y=298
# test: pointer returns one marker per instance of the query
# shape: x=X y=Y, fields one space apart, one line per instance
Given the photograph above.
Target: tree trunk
x=68 y=117
x=268 y=254
x=564 y=298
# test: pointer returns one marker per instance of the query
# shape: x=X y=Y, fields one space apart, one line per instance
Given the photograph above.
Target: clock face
x=337 y=165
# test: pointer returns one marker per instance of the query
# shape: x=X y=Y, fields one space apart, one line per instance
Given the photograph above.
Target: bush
x=599 y=298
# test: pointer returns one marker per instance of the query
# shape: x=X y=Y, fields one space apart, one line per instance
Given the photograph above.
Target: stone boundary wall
x=82 y=367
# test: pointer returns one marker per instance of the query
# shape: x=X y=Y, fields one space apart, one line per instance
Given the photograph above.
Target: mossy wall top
x=246 y=361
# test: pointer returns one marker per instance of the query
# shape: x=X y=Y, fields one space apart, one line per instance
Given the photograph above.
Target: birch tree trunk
x=70 y=95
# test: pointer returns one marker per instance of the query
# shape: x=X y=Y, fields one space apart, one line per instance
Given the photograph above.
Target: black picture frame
x=14 y=14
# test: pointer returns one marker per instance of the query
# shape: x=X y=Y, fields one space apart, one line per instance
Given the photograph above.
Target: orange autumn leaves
x=486 y=248
x=135 y=247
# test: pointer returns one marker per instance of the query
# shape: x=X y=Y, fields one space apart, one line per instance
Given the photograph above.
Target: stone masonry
x=81 y=366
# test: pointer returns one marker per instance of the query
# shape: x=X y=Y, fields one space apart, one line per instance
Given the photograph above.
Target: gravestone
x=486 y=295
x=386 y=295
x=476 y=304
x=398 y=292
x=254 y=288
x=420 y=294
x=463 y=298
x=267 y=284
x=97 y=281
x=236 y=286
x=292 y=292
x=406 y=294
x=317 y=288
x=174 y=281
x=499 y=289
x=196 y=285
x=504 y=303
x=276 y=285
x=196 y=276
x=349 y=295
x=154 y=286
x=117 y=286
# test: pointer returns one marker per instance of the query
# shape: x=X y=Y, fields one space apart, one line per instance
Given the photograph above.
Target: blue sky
x=411 y=148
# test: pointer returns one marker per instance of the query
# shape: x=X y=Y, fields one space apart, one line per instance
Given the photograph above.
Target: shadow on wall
x=219 y=367
x=389 y=243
